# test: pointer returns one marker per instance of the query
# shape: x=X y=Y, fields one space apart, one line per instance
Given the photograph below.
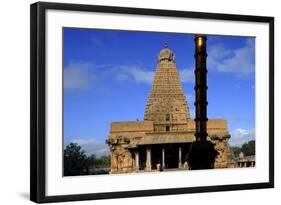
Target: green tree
x=236 y=151
x=248 y=148
x=75 y=160
x=105 y=160
x=92 y=159
x=102 y=161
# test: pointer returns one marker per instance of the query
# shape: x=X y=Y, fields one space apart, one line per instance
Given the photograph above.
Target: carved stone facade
x=167 y=106
x=162 y=140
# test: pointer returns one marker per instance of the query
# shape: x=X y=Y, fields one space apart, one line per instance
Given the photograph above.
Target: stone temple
x=162 y=140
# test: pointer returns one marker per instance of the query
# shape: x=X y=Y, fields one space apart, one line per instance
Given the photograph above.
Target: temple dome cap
x=166 y=54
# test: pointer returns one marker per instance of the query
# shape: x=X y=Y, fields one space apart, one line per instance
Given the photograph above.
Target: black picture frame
x=38 y=101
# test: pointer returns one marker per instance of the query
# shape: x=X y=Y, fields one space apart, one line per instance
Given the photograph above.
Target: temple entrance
x=185 y=153
x=142 y=157
x=156 y=156
x=175 y=156
x=171 y=156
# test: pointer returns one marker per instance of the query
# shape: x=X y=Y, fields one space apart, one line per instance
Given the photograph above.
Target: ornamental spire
x=166 y=54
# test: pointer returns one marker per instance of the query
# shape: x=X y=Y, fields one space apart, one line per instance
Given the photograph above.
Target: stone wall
x=124 y=135
x=214 y=126
x=130 y=129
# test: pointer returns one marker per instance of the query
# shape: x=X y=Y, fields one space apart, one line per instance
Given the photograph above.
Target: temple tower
x=167 y=106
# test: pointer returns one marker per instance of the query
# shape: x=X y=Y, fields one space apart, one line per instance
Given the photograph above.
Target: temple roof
x=185 y=137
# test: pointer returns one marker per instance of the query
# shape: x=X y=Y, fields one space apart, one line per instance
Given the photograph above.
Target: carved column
x=114 y=163
x=163 y=158
x=180 y=164
x=137 y=160
x=148 y=159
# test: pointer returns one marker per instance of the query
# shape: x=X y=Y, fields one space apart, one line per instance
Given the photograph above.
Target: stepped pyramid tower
x=167 y=105
x=162 y=140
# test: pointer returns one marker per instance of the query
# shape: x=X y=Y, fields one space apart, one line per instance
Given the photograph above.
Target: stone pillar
x=163 y=157
x=180 y=164
x=148 y=159
x=137 y=160
x=114 y=165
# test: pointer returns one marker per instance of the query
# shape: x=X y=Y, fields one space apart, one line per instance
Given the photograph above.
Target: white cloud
x=240 y=136
x=190 y=98
x=240 y=61
x=186 y=75
x=192 y=113
x=134 y=73
x=92 y=146
x=190 y=101
x=139 y=75
x=77 y=76
x=81 y=75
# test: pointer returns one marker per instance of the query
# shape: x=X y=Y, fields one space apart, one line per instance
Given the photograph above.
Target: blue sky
x=108 y=75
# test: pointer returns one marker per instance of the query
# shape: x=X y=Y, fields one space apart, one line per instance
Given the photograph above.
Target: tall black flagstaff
x=202 y=153
x=201 y=88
